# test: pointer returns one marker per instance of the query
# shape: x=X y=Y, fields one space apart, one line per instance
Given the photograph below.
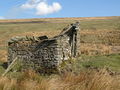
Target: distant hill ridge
x=48 y=20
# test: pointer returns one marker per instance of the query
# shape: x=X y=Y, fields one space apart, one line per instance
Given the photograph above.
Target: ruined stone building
x=43 y=53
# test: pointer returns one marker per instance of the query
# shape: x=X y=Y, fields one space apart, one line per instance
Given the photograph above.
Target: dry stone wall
x=43 y=54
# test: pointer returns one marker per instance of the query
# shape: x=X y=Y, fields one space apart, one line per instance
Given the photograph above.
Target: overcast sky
x=12 y=9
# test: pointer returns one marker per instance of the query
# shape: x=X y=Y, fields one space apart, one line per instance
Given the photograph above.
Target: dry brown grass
x=90 y=80
x=100 y=42
x=95 y=49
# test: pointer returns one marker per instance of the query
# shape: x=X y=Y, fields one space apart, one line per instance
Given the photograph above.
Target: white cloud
x=27 y=6
x=1 y=17
x=30 y=4
x=42 y=7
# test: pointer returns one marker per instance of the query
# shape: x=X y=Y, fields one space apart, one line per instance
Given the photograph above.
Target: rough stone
x=44 y=54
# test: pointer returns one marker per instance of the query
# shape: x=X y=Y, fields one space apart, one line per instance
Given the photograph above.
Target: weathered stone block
x=42 y=53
